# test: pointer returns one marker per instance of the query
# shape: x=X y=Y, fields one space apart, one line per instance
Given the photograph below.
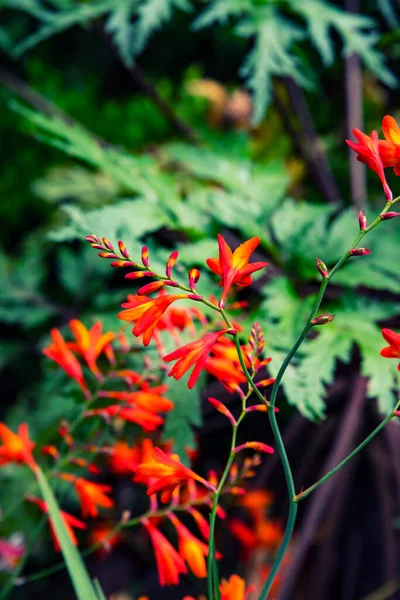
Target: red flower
x=90 y=343
x=169 y=564
x=169 y=473
x=192 y=550
x=146 y=419
x=393 y=350
x=16 y=447
x=91 y=495
x=194 y=353
x=69 y=521
x=63 y=356
x=368 y=151
x=234 y=267
x=389 y=150
x=123 y=460
x=145 y=313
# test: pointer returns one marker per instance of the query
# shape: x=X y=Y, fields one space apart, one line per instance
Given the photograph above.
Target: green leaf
x=186 y=414
x=75 y=565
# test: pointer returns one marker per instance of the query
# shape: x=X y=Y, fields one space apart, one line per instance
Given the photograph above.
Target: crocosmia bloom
x=234 y=267
x=90 y=343
x=64 y=357
x=195 y=353
x=168 y=474
x=393 y=350
x=192 y=550
x=145 y=313
x=234 y=589
x=169 y=564
x=389 y=150
x=91 y=495
x=368 y=151
x=16 y=448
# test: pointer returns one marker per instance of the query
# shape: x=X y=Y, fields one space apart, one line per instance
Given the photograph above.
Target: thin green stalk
x=307 y=492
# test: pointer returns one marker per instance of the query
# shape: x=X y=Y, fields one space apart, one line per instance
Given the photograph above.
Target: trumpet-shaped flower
x=389 y=149
x=369 y=151
x=393 y=350
x=169 y=564
x=145 y=313
x=91 y=495
x=234 y=589
x=195 y=353
x=192 y=550
x=69 y=521
x=64 y=357
x=90 y=343
x=168 y=474
x=16 y=448
x=234 y=268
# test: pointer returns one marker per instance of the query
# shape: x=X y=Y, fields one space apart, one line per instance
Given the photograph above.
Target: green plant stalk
x=271 y=413
x=307 y=492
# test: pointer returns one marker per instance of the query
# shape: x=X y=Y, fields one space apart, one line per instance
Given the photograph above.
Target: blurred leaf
x=185 y=415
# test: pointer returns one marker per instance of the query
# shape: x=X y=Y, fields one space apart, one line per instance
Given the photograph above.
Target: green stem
x=297 y=498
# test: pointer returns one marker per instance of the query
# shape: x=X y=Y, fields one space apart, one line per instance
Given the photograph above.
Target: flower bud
x=222 y=409
x=145 y=256
x=150 y=287
x=359 y=251
x=108 y=244
x=170 y=263
x=322 y=268
x=362 y=220
x=323 y=319
x=107 y=255
x=139 y=274
x=194 y=276
x=257 y=446
x=122 y=249
x=93 y=239
x=389 y=215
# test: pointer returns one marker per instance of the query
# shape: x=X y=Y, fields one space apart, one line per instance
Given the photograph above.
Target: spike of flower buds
x=257 y=446
x=122 y=249
x=389 y=215
x=139 y=274
x=93 y=239
x=193 y=276
x=107 y=255
x=145 y=256
x=359 y=251
x=150 y=287
x=323 y=319
x=362 y=220
x=171 y=262
x=322 y=268
x=221 y=408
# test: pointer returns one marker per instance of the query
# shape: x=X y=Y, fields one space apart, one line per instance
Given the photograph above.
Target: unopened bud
x=150 y=287
x=389 y=215
x=108 y=244
x=323 y=319
x=93 y=239
x=359 y=251
x=362 y=220
x=139 y=274
x=222 y=409
x=118 y=263
x=107 y=255
x=321 y=266
x=145 y=256
x=170 y=263
x=122 y=249
x=194 y=276
x=257 y=446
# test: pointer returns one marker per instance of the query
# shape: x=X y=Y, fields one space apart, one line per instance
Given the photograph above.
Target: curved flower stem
x=297 y=498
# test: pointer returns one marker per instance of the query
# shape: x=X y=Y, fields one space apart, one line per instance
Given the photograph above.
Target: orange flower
x=16 y=447
x=145 y=313
x=192 y=550
x=393 y=350
x=389 y=150
x=169 y=564
x=63 y=356
x=191 y=354
x=368 y=151
x=169 y=473
x=123 y=460
x=234 y=268
x=69 y=521
x=146 y=399
x=223 y=364
x=91 y=495
x=90 y=343
x=234 y=589
x=146 y=419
